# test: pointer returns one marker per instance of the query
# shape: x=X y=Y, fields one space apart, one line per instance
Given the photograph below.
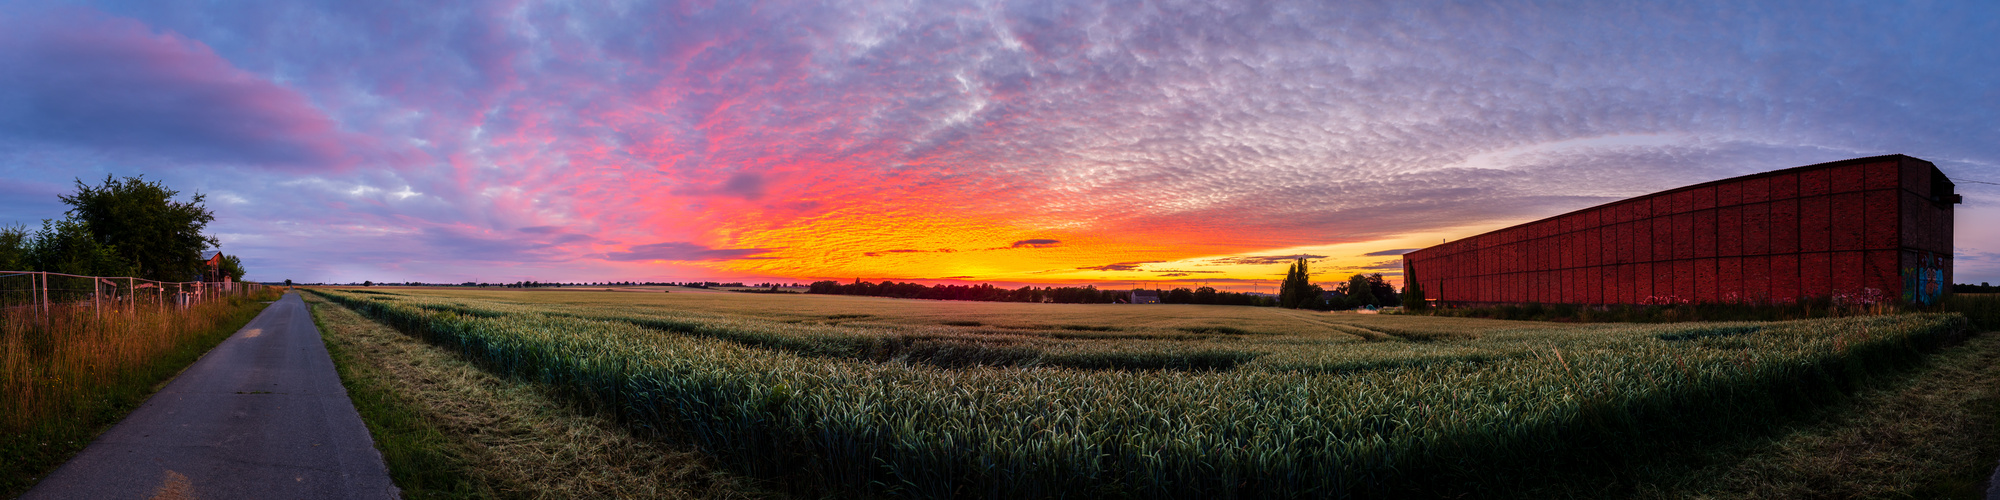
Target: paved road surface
x=1993 y=486
x=262 y=415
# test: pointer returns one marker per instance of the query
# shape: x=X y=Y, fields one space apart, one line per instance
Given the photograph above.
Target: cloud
x=1259 y=260
x=745 y=185
x=683 y=251
x=1034 y=243
x=1170 y=275
x=828 y=131
x=1222 y=280
x=1398 y=251
x=907 y=250
x=479 y=245
x=1121 y=266
x=1385 y=265
x=78 y=78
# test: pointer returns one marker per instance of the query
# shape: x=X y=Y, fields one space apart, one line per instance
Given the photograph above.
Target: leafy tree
x=1359 y=291
x=288 y=282
x=1204 y=295
x=232 y=267
x=1385 y=293
x=14 y=249
x=144 y=225
x=1368 y=290
x=66 y=246
x=368 y=283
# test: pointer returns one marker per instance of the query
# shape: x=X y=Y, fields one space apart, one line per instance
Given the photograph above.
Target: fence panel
x=25 y=293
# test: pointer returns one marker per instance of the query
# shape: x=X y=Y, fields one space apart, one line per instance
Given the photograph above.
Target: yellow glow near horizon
x=961 y=249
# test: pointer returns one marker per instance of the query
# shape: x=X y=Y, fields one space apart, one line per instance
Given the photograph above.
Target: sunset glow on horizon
x=1108 y=143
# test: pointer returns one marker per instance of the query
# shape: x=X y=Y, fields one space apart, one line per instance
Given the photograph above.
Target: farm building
x=1145 y=297
x=211 y=267
x=1867 y=227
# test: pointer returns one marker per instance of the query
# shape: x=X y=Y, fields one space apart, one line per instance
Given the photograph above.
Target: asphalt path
x=1993 y=486
x=262 y=415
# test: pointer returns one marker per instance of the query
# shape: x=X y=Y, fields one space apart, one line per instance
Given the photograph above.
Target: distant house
x=211 y=268
x=1331 y=297
x=1145 y=296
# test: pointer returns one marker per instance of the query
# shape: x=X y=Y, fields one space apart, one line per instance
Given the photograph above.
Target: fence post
x=96 y=306
x=45 y=295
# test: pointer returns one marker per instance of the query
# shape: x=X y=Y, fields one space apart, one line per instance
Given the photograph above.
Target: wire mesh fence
x=36 y=294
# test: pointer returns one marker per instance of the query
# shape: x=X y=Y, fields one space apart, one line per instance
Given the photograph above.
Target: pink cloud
x=85 y=79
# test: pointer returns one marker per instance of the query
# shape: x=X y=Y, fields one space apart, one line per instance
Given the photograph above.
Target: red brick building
x=1870 y=226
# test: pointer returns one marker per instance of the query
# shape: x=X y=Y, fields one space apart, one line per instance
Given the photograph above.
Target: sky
x=1110 y=143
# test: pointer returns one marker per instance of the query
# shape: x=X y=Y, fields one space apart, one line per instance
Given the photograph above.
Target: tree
x=288 y=282
x=66 y=246
x=232 y=267
x=14 y=249
x=1360 y=292
x=368 y=283
x=1385 y=293
x=1204 y=295
x=1413 y=297
x=1297 y=291
x=145 y=226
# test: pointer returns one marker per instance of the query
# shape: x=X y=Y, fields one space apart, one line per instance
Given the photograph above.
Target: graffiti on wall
x=1924 y=284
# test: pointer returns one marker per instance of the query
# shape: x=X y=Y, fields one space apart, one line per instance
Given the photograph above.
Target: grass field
x=447 y=429
x=934 y=399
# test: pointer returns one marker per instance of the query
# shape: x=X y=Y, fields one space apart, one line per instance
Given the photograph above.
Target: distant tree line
x=1360 y=290
x=1209 y=295
x=1062 y=295
x=124 y=227
x=1982 y=287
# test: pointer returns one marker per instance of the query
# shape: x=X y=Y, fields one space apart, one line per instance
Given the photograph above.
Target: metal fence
x=37 y=293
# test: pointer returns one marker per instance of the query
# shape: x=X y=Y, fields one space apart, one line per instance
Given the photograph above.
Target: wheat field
x=954 y=399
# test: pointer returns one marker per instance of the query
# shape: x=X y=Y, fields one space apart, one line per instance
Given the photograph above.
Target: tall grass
x=1982 y=308
x=65 y=376
x=1668 y=312
x=1437 y=422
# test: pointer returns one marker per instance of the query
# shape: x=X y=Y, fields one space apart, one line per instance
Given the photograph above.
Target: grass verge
x=64 y=384
x=1982 y=309
x=450 y=430
x=1930 y=433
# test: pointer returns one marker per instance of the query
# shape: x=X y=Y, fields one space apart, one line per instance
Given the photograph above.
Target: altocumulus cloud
x=683 y=251
x=1257 y=260
x=1121 y=266
x=1233 y=127
x=1385 y=253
